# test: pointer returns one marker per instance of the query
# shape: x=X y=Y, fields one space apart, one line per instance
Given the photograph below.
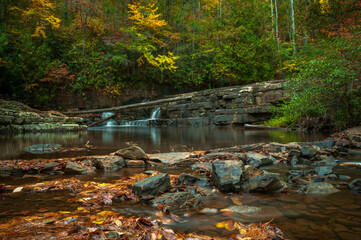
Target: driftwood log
x=101 y=120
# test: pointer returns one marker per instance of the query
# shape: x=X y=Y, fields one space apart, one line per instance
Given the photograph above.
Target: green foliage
x=326 y=90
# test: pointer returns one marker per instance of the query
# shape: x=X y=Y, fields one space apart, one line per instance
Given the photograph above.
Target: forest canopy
x=47 y=46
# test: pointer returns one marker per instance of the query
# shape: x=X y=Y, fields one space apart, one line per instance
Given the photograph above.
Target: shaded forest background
x=48 y=46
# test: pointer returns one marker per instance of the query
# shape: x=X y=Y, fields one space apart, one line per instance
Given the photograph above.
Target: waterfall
x=155 y=114
x=110 y=122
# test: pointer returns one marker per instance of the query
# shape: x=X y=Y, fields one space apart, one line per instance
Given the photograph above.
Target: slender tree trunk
x=277 y=38
x=293 y=28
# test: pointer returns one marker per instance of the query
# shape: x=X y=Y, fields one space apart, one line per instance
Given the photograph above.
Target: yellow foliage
x=163 y=62
x=145 y=17
x=325 y=6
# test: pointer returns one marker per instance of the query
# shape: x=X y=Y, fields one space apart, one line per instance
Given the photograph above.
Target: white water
x=156 y=113
x=110 y=122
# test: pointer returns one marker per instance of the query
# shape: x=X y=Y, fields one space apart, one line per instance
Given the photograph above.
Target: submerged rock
x=152 y=186
x=244 y=209
x=177 y=201
x=109 y=164
x=132 y=153
x=44 y=148
x=226 y=175
x=265 y=183
x=355 y=185
x=318 y=188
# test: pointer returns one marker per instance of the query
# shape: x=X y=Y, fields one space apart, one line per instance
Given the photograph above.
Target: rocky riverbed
x=303 y=168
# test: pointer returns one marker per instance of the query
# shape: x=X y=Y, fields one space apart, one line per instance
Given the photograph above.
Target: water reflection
x=152 y=139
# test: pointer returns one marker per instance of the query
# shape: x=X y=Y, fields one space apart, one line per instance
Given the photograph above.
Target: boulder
x=355 y=185
x=135 y=164
x=265 y=183
x=250 y=172
x=309 y=150
x=177 y=201
x=324 y=170
x=259 y=160
x=109 y=164
x=226 y=175
x=185 y=178
x=152 y=186
x=132 y=153
x=74 y=168
x=318 y=188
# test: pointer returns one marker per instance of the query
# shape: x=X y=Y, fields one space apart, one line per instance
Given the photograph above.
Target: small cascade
x=155 y=115
x=110 y=122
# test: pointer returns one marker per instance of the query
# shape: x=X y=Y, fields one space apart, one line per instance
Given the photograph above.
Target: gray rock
x=250 y=172
x=202 y=166
x=294 y=153
x=344 y=177
x=265 y=183
x=132 y=153
x=309 y=151
x=324 y=144
x=329 y=161
x=152 y=186
x=355 y=185
x=324 y=170
x=74 y=168
x=185 y=162
x=318 y=188
x=259 y=160
x=177 y=201
x=226 y=175
x=185 y=178
x=109 y=164
x=49 y=166
x=295 y=160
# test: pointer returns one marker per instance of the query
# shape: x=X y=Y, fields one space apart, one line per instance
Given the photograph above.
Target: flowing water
x=336 y=216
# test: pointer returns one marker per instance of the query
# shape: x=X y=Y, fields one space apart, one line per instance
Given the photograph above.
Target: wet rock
x=318 y=188
x=177 y=201
x=203 y=191
x=202 y=166
x=324 y=170
x=259 y=160
x=309 y=151
x=185 y=162
x=354 y=155
x=49 y=166
x=332 y=177
x=295 y=160
x=152 y=186
x=344 y=177
x=250 y=172
x=135 y=164
x=265 y=183
x=220 y=156
x=324 y=144
x=317 y=179
x=226 y=175
x=109 y=164
x=329 y=161
x=74 y=168
x=275 y=147
x=355 y=185
x=185 y=178
x=43 y=148
x=295 y=173
x=132 y=153
x=244 y=209
x=170 y=158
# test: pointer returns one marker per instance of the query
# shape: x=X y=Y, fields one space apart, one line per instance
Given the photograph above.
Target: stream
x=335 y=216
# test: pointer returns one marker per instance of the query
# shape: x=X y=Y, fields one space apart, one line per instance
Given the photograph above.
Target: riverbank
x=306 y=169
x=17 y=117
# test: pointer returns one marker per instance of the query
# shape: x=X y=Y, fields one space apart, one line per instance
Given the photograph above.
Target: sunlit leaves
x=145 y=16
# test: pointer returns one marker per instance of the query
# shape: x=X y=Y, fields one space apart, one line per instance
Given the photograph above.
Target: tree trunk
x=293 y=28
